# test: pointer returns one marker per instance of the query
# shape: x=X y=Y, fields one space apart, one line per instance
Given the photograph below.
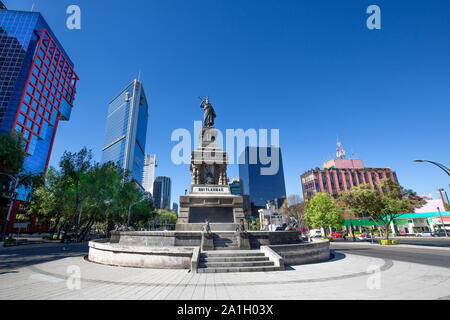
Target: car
x=337 y=235
x=425 y=234
x=441 y=233
x=365 y=236
x=315 y=233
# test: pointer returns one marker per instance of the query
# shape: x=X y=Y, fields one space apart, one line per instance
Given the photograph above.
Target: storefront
x=410 y=223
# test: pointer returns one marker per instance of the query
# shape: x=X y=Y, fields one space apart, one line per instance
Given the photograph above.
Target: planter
x=388 y=242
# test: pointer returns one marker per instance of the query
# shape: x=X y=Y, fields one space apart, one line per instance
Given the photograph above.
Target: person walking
x=66 y=243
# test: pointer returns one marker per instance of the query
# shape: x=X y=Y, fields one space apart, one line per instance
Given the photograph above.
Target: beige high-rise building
x=150 y=165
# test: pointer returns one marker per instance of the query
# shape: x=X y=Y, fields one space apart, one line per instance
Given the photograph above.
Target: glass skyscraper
x=259 y=187
x=162 y=191
x=37 y=84
x=126 y=130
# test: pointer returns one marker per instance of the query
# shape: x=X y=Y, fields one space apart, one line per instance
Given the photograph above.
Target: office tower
x=37 y=84
x=126 y=130
x=262 y=186
x=37 y=89
x=339 y=175
x=175 y=208
x=149 y=172
x=236 y=187
x=162 y=188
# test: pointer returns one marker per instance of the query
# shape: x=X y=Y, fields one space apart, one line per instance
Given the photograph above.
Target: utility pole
x=442 y=221
x=11 y=204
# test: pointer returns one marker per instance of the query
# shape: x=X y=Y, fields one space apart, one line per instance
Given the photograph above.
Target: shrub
x=388 y=242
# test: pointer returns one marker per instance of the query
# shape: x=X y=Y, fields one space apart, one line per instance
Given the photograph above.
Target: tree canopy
x=82 y=195
x=323 y=211
x=382 y=205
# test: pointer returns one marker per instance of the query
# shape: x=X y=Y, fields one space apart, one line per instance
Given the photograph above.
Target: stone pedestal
x=210 y=197
x=212 y=203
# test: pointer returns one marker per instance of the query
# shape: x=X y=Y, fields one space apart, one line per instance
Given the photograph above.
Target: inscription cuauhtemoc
x=209 y=197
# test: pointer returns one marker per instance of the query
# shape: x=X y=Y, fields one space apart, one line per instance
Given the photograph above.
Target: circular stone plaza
x=356 y=271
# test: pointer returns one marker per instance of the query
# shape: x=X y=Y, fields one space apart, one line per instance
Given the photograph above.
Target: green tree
x=323 y=211
x=12 y=156
x=382 y=207
x=169 y=217
x=144 y=212
x=49 y=200
x=12 y=153
x=447 y=206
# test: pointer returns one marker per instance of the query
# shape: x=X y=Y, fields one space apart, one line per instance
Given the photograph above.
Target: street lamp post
x=11 y=204
x=440 y=165
x=447 y=171
x=442 y=222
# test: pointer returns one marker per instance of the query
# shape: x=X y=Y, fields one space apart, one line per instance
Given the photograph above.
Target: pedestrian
x=66 y=243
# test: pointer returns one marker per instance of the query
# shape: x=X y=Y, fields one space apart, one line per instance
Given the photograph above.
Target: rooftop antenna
x=139 y=76
x=32 y=7
x=340 y=154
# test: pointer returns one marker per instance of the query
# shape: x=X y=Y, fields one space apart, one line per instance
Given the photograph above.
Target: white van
x=314 y=233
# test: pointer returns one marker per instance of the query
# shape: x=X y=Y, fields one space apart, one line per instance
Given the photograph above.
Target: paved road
x=426 y=241
x=417 y=241
x=17 y=257
x=426 y=256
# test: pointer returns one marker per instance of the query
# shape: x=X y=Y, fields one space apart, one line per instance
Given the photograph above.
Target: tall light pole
x=440 y=165
x=442 y=222
x=11 y=204
x=447 y=171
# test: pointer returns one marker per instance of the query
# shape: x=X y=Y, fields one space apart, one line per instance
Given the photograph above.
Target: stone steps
x=234 y=261
x=238 y=269
x=208 y=264
x=225 y=242
x=237 y=253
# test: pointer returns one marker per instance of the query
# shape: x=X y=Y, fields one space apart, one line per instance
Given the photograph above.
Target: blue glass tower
x=126 y=130
x=37 y=85
x=162 y=191
x=261 y=187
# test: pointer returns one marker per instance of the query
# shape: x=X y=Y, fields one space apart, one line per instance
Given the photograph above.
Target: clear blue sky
x=309 y=68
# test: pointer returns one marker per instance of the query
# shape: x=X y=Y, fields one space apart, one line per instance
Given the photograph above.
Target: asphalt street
x=426 y=256
x=19 y=257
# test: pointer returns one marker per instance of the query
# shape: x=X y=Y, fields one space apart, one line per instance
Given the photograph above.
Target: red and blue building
x=37 y=85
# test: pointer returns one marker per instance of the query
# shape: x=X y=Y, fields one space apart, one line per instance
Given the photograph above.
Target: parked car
x=441 y=233
x=314 y=233
x=365 y=236
x=425 y=234
x=337 y=235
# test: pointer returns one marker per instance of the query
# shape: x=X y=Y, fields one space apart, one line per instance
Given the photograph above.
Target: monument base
x=215 y=204
x=215 y=227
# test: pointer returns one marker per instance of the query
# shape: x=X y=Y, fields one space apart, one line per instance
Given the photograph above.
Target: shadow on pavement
x=23 y=257
x=335 y=256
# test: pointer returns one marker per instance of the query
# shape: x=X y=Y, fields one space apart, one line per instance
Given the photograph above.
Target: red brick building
x=341 y=175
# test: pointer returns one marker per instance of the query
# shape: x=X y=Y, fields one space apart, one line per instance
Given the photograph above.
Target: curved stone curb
x=387 y=264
